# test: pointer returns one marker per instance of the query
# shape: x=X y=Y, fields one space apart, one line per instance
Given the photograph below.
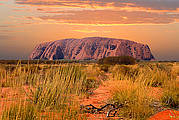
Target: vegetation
x=135 y=99
x=149 y=74
x=137 y=81
x=14 y=62
x=104 y=67
x=170 y=96
x=53 y=88
x=53 y=91
x=126 y=60
x=23 y=112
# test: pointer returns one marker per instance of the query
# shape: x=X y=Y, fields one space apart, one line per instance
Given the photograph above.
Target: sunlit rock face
x=91 y=48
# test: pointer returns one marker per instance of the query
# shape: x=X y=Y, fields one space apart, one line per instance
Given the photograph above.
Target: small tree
x=125 y=60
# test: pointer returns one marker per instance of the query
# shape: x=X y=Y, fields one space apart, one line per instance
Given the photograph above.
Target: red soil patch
x=99 y=97
x=155 y=92
x=11 y=96
x=166 y=115
x=102 y=94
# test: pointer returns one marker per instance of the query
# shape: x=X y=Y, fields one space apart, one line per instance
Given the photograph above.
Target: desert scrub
x=154 y=75
x=104 y=67
x=2 y=76
x=92 y=72
x=170 y=96
x=2 y=72
x=135 y=99
x=59 y=86
x=113 y=60
x=52 y=89
x=124 y=72
x=176 y=69
x=20 y=112
x=19 y=75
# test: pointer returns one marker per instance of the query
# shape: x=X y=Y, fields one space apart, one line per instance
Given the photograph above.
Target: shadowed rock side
x=90 y=48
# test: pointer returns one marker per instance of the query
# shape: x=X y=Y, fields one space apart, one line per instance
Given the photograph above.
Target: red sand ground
x=103 y=93
x=98 y=99
x=166 y=115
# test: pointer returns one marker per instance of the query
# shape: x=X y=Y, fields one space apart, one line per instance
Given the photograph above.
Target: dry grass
x=51 y=88
x=53 y=91
x=154 y=75
x=134 y=96
x=135 y=85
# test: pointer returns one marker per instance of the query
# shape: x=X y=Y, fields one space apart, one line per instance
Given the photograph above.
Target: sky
x=26 y=23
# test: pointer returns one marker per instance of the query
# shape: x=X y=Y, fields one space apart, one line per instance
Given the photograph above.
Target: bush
x=170 y=96
x=155 y=75
x=126 y=60
x=104 y=68
x=135 y=99
x=91 y=84
x=124 y=72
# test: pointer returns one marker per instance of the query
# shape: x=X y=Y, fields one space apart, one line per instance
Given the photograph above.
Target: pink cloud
x=148 y=4
x=112 y=17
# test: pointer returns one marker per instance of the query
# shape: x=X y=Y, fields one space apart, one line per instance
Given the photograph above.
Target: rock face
x=90 y=48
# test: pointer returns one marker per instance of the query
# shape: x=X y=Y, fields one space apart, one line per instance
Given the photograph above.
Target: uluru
x=90 y=48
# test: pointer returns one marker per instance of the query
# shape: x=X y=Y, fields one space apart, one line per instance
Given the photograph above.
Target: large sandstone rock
x=90 y=48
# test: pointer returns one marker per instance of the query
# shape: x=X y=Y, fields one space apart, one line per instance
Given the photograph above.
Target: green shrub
x=126 y=60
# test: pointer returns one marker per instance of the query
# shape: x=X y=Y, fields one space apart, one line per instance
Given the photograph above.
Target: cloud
x=89 y=31
x=111 y=17
x=4 y=26
x=157 y=4
x=3 y=37
x=148 y=4
x=5 y=31
x=105 y=12
x=86 y=31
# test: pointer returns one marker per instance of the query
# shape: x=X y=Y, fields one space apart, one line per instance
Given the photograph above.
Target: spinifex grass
x=170 y=96
x=150 y=74
x=137 y=81
x=20 y=112
x=19 y=75
x=135 y=99
x=59 y=87
x=55 y=88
